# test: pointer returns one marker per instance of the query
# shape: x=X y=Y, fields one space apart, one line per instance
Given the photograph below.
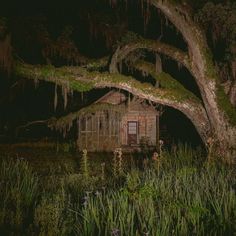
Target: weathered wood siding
x=146 y=118
x=107 y=130
x=99 y=132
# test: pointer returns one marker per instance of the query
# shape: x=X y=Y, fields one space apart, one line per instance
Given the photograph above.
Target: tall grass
x=18 y=193
x=183 y=196
x=183 y=202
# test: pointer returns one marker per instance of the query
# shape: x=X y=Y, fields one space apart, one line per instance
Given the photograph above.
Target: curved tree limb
x=220 y=112
x=151 y=45
x=79 y=79
x=165 y=80
x=190 y=30
x=29 y=124
x=232 y=93
x=96 y=64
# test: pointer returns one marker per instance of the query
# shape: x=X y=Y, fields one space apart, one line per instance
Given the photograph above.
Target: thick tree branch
x=151 y=45
x=77 y=78
x=232 y=93
x=165 y=80
x=220 y=112
x=96 y=64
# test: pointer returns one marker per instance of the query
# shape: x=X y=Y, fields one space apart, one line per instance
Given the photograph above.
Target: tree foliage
x=219 y=21
x=213 y=115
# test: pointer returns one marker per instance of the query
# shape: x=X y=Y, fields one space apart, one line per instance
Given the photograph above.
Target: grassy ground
x=68 y=193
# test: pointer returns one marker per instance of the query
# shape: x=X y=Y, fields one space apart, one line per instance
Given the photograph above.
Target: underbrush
x=180 y=194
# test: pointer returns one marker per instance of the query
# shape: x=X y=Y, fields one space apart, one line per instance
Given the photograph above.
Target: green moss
x=225 y=105
x=211 y=71
x=222 y=99
x=47 y=71
x=98 y=64
x=177 y=93
x=70 y=76
x=80 y=86
x=167 y=82
x=61 y=76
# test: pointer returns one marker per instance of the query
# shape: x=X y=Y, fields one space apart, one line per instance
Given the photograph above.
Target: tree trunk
x=223 y=130
x=215 y=118
x=232 y=93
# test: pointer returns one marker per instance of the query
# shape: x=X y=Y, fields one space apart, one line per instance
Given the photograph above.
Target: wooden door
x=132 y=132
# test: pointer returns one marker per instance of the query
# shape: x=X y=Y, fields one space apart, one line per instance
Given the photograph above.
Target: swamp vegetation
x=114 y=41
x=114 y=194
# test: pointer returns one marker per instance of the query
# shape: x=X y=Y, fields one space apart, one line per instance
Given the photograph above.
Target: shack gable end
x=113 y=97
x=137 y=106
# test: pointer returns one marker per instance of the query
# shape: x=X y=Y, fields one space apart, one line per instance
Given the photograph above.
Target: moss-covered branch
x=79 y=79
x=151 y=45
x=165 y=80
x=71 y=77
x=96 y=64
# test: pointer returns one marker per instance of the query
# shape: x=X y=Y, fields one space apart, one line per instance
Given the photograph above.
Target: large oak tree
x=213 y=114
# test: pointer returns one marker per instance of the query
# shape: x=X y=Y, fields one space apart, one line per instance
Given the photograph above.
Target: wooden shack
x=115 y=121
